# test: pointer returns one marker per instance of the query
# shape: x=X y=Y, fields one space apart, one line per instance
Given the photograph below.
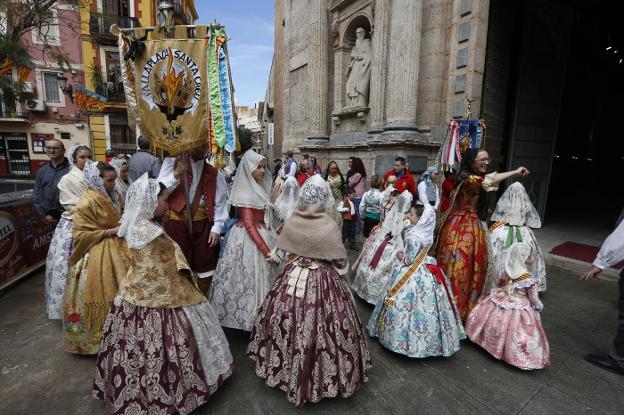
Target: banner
x=182 y=91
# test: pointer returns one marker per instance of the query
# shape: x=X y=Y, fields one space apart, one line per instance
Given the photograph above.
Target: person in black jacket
x=45 y=194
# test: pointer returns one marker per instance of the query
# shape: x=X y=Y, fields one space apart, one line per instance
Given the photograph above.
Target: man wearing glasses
x=46 y=193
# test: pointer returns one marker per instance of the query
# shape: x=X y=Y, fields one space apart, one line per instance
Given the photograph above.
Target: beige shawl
x=312 y=233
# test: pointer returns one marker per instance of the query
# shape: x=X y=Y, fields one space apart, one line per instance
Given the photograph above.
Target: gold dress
x=97 y=266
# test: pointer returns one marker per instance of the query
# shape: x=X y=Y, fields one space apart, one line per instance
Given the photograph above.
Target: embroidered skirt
x=160 y=360
x=308 y=339
x=57 y=264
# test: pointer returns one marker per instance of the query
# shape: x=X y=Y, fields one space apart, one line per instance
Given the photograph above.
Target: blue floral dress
x=417 y=316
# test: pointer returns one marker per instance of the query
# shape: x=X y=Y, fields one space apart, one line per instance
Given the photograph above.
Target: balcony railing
x=18 y=113
x=178 y=12
x=100 y=24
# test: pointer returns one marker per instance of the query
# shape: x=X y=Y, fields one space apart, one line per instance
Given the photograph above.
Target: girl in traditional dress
x=374 y=267
x=336 y=182
x=162 y=350
x=97 y=264
x=71 y=187
x=506 y=321
x=308 y=340
x=370 y=206
x=242 y=277
x=462 y=243
x=123 y=181
x=417 y=316
x=514 y=217
x=286 y=202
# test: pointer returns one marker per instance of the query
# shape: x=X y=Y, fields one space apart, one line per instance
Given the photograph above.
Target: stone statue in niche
x=359 y=71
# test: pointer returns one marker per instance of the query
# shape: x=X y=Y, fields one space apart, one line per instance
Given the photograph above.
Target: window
x=51 y=87
x=65 y=136
x=121 y=136
x=49 y=32
x=38 y=141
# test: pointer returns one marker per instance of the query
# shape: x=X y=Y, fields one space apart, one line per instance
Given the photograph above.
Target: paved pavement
x=37 y=376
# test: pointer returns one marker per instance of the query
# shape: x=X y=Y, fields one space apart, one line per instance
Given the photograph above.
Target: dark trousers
x=348 y=231
x=369 y=224
x=617 y=348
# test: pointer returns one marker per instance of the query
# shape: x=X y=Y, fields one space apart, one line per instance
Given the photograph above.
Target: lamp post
x=165 y=15
x=67 y=89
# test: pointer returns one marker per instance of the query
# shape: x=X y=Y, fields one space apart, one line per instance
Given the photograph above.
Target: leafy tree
x=245 y=137
x=19 y=19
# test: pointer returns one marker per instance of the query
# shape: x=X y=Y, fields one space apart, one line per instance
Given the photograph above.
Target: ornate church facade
x=374 y=78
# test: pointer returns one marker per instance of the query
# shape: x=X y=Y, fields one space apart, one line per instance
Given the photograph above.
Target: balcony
x=179 y=13
x=99 y=25
x=18 y=115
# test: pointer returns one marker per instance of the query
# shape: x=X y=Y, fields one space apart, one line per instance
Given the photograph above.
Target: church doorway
x=563 y=107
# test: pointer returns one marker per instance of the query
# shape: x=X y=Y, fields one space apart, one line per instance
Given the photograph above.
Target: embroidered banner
x=182 y=89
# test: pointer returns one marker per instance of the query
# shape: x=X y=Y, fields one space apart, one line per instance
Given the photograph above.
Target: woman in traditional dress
x=286 y=202
x=417 y=316
x=71 y=187
x=337 y=184
x=123 y=181
x=462 y=244
x=506 y=320
x=97 y=264
x=375 y=265
x=390 y=195
x=308 y=339
x=162 y=350
x=514 y=217
x=242 y=277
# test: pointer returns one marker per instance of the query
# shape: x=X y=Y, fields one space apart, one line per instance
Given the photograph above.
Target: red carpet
x=580 y=252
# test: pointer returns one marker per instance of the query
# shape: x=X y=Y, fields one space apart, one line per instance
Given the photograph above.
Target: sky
x=249 y=25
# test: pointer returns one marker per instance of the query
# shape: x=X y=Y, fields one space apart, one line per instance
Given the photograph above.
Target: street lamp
x=67 y=89
x=165 y=15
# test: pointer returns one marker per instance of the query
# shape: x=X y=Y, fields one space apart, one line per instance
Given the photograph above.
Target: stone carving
x=359 y=71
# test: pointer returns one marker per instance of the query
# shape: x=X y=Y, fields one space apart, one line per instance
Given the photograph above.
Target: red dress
x=462 y=246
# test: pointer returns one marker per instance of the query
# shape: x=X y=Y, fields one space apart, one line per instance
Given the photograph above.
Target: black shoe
x=605 y=362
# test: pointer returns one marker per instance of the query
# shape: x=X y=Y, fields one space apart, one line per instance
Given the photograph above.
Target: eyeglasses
x=53 y=148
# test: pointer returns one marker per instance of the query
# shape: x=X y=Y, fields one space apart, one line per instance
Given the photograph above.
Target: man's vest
x=207 y=187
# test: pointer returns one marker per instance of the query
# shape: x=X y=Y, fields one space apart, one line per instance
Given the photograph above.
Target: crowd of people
x=150 y=260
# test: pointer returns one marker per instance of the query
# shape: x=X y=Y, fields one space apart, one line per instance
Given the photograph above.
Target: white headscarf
x=394 y=221
x=120 y=185
x=425 y=226
x=141 y=202
x=92 y=178
x=246 y=191
x=315 y=192
x=72 y=150
x=287 y=200
x=515 y=208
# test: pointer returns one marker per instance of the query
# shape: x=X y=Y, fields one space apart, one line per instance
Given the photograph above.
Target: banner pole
x=187 y=198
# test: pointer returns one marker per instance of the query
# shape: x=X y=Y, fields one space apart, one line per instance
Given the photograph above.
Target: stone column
x=403 y=66
x=318 y=64
x=380 y=35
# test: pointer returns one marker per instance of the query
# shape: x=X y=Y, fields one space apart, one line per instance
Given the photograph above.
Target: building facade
x=52 y=112
x=109 y=126
x=381 y=78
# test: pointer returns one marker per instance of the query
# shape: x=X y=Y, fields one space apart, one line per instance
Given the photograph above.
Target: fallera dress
x=506 y=321
x=417 y=316
x=463 y=244
x=374 y=266
x=308 y=339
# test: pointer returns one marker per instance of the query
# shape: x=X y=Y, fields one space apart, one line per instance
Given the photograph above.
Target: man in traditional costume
x=206 y=203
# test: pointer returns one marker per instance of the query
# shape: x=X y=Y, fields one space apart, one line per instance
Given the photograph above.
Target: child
x=417 y=316
x=370 y=206
x=162 y=350
x=347 y=210
x=374 y=266
x=506 y=320
x=308 y=339
x=514 y=217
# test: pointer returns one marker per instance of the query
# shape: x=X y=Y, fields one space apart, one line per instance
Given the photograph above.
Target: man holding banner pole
x=207 y=197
